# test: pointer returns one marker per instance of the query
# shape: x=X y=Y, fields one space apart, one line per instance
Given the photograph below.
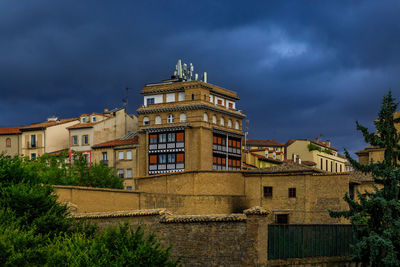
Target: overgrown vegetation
x=375 y=215
x=35 y=229
x=312 y=147
x=57 y=170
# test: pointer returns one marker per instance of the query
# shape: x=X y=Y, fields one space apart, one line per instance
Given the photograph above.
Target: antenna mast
x=125 y=99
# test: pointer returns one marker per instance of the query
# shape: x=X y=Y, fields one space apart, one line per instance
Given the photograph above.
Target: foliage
x=56 y=170
x=378 y=238
x=312 y=147
x=35 y=230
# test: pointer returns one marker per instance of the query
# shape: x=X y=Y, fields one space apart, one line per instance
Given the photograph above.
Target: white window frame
x=129 y=155
x=182 y=117
x=146 y=121
x=158 y=120
x=170 y=118
x=119 y=155
x=129 y=173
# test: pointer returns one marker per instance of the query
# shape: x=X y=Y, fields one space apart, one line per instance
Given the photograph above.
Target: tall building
x=188 y=124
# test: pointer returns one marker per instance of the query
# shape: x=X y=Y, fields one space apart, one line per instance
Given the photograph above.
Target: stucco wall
x=16 y=144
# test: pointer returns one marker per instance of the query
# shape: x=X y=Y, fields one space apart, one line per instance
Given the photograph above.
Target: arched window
x=237 y=125
x=205 y=117
x=146 y=121
x=158 y=120
x=214 y=119
x=170 y=118
x=229 y=123
x=222 y=122
x=182 y=117
x=8 y=142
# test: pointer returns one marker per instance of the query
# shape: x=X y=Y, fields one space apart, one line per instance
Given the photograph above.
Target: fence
x=303 y=241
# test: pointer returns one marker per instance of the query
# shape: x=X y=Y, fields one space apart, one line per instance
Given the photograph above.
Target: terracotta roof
x=256 y=210
x=82 y=125
x=47 y=124
x=308 y=163
x=263 y=142
x=203 y=218
x=10 y=130
x=115 y=214
x=266 y=158
x=117 y=142
x=248 y=165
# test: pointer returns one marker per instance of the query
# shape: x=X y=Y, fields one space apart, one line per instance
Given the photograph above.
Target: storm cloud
x=301 y=68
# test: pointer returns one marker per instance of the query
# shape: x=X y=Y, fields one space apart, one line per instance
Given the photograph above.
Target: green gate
x=303 y=241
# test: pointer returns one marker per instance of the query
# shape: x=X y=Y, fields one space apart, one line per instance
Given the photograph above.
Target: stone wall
x=210 y=240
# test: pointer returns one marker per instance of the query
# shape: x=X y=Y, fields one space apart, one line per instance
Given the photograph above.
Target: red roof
x=117 y=142
x=10 y=130
x=263 y=142
x=47 y=124
x=266 y=158
x=81 y=125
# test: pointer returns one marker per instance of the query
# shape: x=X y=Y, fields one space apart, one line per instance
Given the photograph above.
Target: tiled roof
x=263 y=142
x=115 y=214
x=203 y=218
x=10 y=130
x=47 y=124
x=308 y=163
x=266 y=158
x=257 y=210
x=117 y=142
x=82 y=125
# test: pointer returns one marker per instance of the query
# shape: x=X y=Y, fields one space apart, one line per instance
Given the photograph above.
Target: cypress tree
x=375 y=214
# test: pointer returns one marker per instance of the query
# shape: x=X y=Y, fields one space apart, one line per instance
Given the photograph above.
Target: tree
x=375 y=216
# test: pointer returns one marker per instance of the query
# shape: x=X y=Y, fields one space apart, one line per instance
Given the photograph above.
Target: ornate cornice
x=189 y=107
x=228 y=133
x=166 y=129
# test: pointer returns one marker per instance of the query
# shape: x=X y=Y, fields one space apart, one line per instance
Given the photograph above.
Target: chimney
x=294 y=158
x=300 y=161
x=328 y=143
x=52 y=118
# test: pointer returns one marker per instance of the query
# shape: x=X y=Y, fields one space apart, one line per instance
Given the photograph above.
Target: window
x=340 y=167
x=171 y=158
x=181 y=96
x=331 y=166
x=85 y=139
x=180 y=157
x=237 y=125
x=182 y=117
x=146 y=121
x=74 y=140
x=121 y=155
x=180 y=136
x=222 y=122
x=268 y=191
x=205 y=117
x=214 y=119
x=282 y=218
x=150 y=101
x=192 y=96
x=170 y=97
x=33 y=156
x=153 y=139
x=326 y=165
x=33 y=140
x=170 y=118
x=219 y=102
x=120 y=173
x=162 y=138
x=129 y=188
x=162 y=158
x=128 y=173
x=104 y=155
x=292 y=192
x=8 y=142
x=153 y=159
x=322 y=164
x=93 y=118
x=171 y=137
x=230 y=105
x=83 y=119
x=158 y=120
x=229 y=123
x=336 y=170
x=129 y=155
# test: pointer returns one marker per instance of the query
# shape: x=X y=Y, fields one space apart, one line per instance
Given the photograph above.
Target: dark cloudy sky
x=301 y=68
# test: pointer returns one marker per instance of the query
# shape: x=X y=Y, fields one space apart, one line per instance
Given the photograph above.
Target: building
x=324 y=156
x=97 y=128
x=187 y=124
x=46 y=137
x=10 y=141
x=121 y=155
x=263 y=153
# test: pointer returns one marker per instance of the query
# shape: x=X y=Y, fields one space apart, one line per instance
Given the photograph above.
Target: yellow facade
x=325 y=157
x=46 y=137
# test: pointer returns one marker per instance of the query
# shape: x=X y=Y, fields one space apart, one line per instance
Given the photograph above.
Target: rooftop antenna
x=179 y=69
x=125 y=99
x=246 y=132
x=205 y=77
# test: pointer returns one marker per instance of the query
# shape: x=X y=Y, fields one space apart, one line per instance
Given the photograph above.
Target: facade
x=97 y=128
x=324 y=156
x=188 y=125
x=46 y=137
x=121 y=155
x=263 y=153
x=10 y=141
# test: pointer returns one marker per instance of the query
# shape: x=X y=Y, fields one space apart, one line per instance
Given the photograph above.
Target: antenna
x=246 y=132
x=125 y=99
x=205 y=77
